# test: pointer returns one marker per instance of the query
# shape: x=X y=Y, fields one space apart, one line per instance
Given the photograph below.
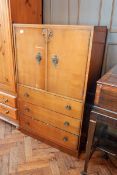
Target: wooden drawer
x=7 y=99
x=8 y=111
x=49 y=132
x=56 y=119
x=51 y=101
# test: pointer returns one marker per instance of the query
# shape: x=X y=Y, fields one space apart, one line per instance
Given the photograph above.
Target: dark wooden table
x=104 y=111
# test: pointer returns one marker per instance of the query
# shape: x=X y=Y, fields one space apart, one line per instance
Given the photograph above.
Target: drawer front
x=50 y=101
x=56 y=119
x=49 y=132
x=8 y=111
x=7 y=99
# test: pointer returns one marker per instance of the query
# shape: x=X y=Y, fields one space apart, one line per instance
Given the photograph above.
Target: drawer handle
x=66 y=123
x=65 y=139
x=68 y=107
x=5 y=101
x=26 y=95
x=6 y=112
x=26 y=109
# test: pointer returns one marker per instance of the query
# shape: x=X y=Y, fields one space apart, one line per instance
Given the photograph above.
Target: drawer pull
x=26 y=109
x=26 y=95
x=66 y=123
x=68 y=107
x=5 y=101
x=65 y=139
x=6 y=112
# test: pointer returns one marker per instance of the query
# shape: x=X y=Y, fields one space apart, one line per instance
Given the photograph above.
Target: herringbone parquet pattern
x=22 y=155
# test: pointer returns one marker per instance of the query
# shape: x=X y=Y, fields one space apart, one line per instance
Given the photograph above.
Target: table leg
x=92 y=126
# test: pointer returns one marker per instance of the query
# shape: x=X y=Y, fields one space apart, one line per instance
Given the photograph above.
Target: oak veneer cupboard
x=56 y=66
x=53 y=68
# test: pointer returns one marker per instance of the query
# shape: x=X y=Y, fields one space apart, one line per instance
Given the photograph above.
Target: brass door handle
x=38 y=57
x=55 y=60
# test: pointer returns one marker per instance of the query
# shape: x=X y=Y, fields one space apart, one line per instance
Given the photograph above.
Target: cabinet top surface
x=110 y=78
x=87 y=27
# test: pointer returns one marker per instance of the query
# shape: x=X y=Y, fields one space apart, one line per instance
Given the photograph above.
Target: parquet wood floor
x=23 y=155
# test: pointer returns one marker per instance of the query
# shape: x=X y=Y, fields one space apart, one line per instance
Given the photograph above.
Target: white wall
x=94 y=12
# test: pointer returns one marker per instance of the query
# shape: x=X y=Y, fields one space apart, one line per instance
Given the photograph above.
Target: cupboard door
x=6 y=52
x=2 y=65
x=30 y=54
x=67 y=61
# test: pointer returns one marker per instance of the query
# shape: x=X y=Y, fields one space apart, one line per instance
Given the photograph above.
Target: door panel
x=6 y=52
x=30 y=49
x=67 y=60
x=2 y=68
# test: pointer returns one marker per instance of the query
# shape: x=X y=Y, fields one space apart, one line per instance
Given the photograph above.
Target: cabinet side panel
x=7 y=82
x=97 y=57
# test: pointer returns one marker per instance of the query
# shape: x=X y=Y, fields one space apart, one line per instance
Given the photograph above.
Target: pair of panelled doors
x=52 y=58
